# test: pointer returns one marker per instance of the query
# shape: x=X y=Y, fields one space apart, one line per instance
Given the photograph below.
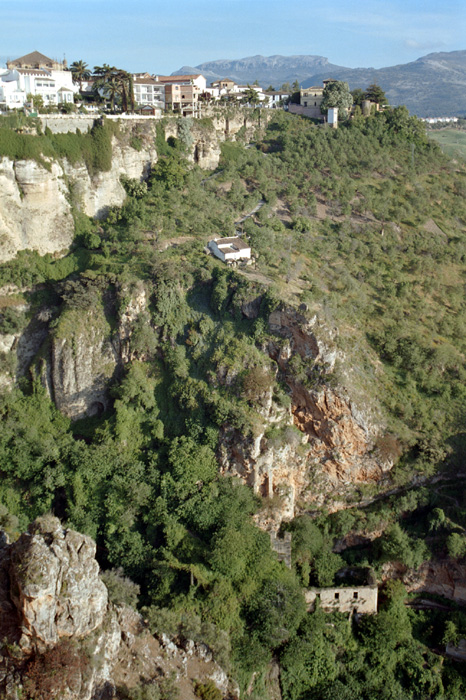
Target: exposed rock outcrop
x=36 y=202
x=82 y=361
x=50 y=594
x=35 y=213
x=55 y=585
x=324 y=445
x=446 y=578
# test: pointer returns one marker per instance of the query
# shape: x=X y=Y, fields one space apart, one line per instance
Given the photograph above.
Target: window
x=355 y=595
x=337 y=596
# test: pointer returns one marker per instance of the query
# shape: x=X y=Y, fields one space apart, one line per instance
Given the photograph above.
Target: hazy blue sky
x=161 y=36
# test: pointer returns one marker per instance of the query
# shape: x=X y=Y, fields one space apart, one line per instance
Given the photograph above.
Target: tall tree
x=337 y=94
x=250 y=96
x=112 y=89
x=358 y=96
x=374 y=93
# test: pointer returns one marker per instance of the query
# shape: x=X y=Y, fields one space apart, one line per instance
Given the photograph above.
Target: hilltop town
x=36 y=83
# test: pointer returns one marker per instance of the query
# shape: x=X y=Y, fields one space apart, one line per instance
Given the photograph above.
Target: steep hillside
x=48 y=179
x=232 y=436
x=69 y=633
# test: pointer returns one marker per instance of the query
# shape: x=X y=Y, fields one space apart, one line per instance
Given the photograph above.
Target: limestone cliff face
x=36 y=203
x=51 y=593
x=85 y=353
x=35 y=213
x=81 y=365
x=95 y=195
x=55 y=585
x=78 y=354
x=325 y=445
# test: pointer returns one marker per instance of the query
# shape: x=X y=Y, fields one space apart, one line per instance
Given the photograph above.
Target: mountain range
x=432 y=86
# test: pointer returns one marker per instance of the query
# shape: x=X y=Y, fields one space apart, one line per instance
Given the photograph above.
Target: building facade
x=48 y=79
x=357 y=599
x=148 y=92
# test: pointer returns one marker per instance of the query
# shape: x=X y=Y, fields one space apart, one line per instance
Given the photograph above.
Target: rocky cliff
x=319 y=449
x=315 y=450
x=36 y=203
x=446 y=578
x=62 y=638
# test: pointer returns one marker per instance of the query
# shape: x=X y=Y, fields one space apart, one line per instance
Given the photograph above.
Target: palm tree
x=112 y=89
x=80 y=73
x=106 y=81
x=115 y=82
x=123 y=80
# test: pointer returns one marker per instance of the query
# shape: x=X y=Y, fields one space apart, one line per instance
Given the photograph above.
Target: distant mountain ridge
x=432 y=86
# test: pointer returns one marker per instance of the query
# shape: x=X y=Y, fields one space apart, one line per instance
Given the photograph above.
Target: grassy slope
x=451 y=141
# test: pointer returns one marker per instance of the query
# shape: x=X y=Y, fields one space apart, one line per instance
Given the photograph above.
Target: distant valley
x=432 y=86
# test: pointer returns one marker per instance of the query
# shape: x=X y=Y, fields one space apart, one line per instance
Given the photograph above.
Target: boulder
x=55 y=584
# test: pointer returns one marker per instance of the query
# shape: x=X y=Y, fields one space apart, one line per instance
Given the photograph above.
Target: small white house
x=229 y=249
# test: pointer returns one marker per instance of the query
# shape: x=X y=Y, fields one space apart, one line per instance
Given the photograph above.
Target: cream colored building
x=358 y=599
x=311 y=98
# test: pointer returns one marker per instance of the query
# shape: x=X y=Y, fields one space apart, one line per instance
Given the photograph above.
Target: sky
x=159 y=36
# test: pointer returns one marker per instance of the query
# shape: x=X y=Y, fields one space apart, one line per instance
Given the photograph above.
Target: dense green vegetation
x=94 y=148
x=365 y=225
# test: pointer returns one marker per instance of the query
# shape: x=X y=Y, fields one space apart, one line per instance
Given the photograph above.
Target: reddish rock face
x=445 y=578
x=334 y=437
x=325 y=446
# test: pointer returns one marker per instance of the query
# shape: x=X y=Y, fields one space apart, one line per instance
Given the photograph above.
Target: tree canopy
x=374 y=93
x=337 y=94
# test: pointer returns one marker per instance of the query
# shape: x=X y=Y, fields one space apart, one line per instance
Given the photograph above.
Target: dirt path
x=251 y=213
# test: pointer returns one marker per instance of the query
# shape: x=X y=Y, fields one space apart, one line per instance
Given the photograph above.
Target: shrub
x=207 y=691
x=49 y=674
x=456 y=545
x=121 y=590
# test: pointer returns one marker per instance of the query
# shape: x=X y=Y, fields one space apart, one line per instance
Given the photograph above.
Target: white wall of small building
x=53 y=88
x=225 y=255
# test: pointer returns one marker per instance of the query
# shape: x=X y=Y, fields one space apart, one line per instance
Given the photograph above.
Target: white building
x=276 y=98
x=230 y=249
x=148 y=92
x=36 y=74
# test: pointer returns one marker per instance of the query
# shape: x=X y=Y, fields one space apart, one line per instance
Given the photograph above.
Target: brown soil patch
x=432 y=227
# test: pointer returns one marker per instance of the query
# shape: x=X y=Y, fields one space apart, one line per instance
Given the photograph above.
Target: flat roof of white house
x=232 y=242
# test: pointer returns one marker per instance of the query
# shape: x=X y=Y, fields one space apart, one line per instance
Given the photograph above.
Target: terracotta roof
x=34 y=57
x=145 y=81
x=177 y=78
